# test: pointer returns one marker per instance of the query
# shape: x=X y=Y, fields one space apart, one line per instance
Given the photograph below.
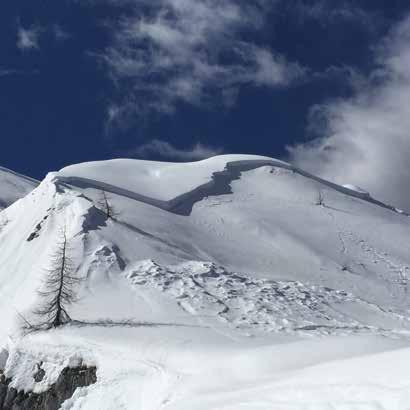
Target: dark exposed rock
x=93 y=220
x=37 y=230
x=68 y=380
x=39 y=374
x=3 y=389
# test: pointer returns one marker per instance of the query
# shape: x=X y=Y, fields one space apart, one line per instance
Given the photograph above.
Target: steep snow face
x=211 y=268
x=13 y=186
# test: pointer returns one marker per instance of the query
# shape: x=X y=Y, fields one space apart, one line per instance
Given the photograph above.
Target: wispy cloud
x=59 y=33
x=173 y=51
x=365 y=140
x=328 y=12
x=165 y=150
x=28 y=38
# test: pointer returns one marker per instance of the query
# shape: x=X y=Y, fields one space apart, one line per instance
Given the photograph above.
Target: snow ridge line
x=220 y=184
x=360 y=195
x=29 y=179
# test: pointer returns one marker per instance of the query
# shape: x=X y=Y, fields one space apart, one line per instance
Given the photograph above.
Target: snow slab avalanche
x=218 y=284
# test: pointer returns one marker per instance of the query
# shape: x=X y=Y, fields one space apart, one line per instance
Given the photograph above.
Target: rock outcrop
x=68 y=380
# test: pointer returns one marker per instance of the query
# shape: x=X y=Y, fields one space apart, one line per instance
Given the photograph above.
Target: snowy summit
x=233 y=282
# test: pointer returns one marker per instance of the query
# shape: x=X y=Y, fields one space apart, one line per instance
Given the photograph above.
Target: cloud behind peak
x=179 y=51
x=365 y=140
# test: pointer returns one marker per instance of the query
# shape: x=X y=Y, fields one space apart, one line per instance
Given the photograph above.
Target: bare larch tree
x=104 y=204
x=320 y=200
x=59 y=287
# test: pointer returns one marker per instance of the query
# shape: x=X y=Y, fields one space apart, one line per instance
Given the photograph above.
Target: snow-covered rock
x=217 y=284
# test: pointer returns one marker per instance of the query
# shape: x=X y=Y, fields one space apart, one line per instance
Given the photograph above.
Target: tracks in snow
x=253 y=305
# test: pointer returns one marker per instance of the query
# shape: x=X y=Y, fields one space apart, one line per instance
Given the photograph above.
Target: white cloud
x=60 y=34
x=273 y=70
x=188 y=51
x=28 y=38
x=327 y=12
x=365 y=140
x=165 y=150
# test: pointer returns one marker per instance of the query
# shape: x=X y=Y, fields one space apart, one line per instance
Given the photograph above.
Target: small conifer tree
x=59 y=287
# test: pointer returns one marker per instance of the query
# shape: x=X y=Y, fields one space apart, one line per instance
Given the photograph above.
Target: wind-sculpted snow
x=263 y=275
x=167 y=192
x=208 y=292
x=218 y=184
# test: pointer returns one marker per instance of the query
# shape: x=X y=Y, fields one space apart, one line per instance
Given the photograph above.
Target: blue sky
x=85 y=80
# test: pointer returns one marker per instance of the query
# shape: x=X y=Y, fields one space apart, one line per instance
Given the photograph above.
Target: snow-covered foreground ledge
x=164 y=367
x=41 y=379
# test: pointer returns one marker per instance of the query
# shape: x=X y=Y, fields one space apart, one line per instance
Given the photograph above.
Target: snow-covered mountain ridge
x=165 y=185
x=14 y=186
x=240 y=267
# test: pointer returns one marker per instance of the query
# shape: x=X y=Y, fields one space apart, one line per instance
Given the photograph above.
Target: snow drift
x=222 y=283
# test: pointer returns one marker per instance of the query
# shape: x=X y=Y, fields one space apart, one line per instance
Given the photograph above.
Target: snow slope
x=13 y=186
x=219 y=284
